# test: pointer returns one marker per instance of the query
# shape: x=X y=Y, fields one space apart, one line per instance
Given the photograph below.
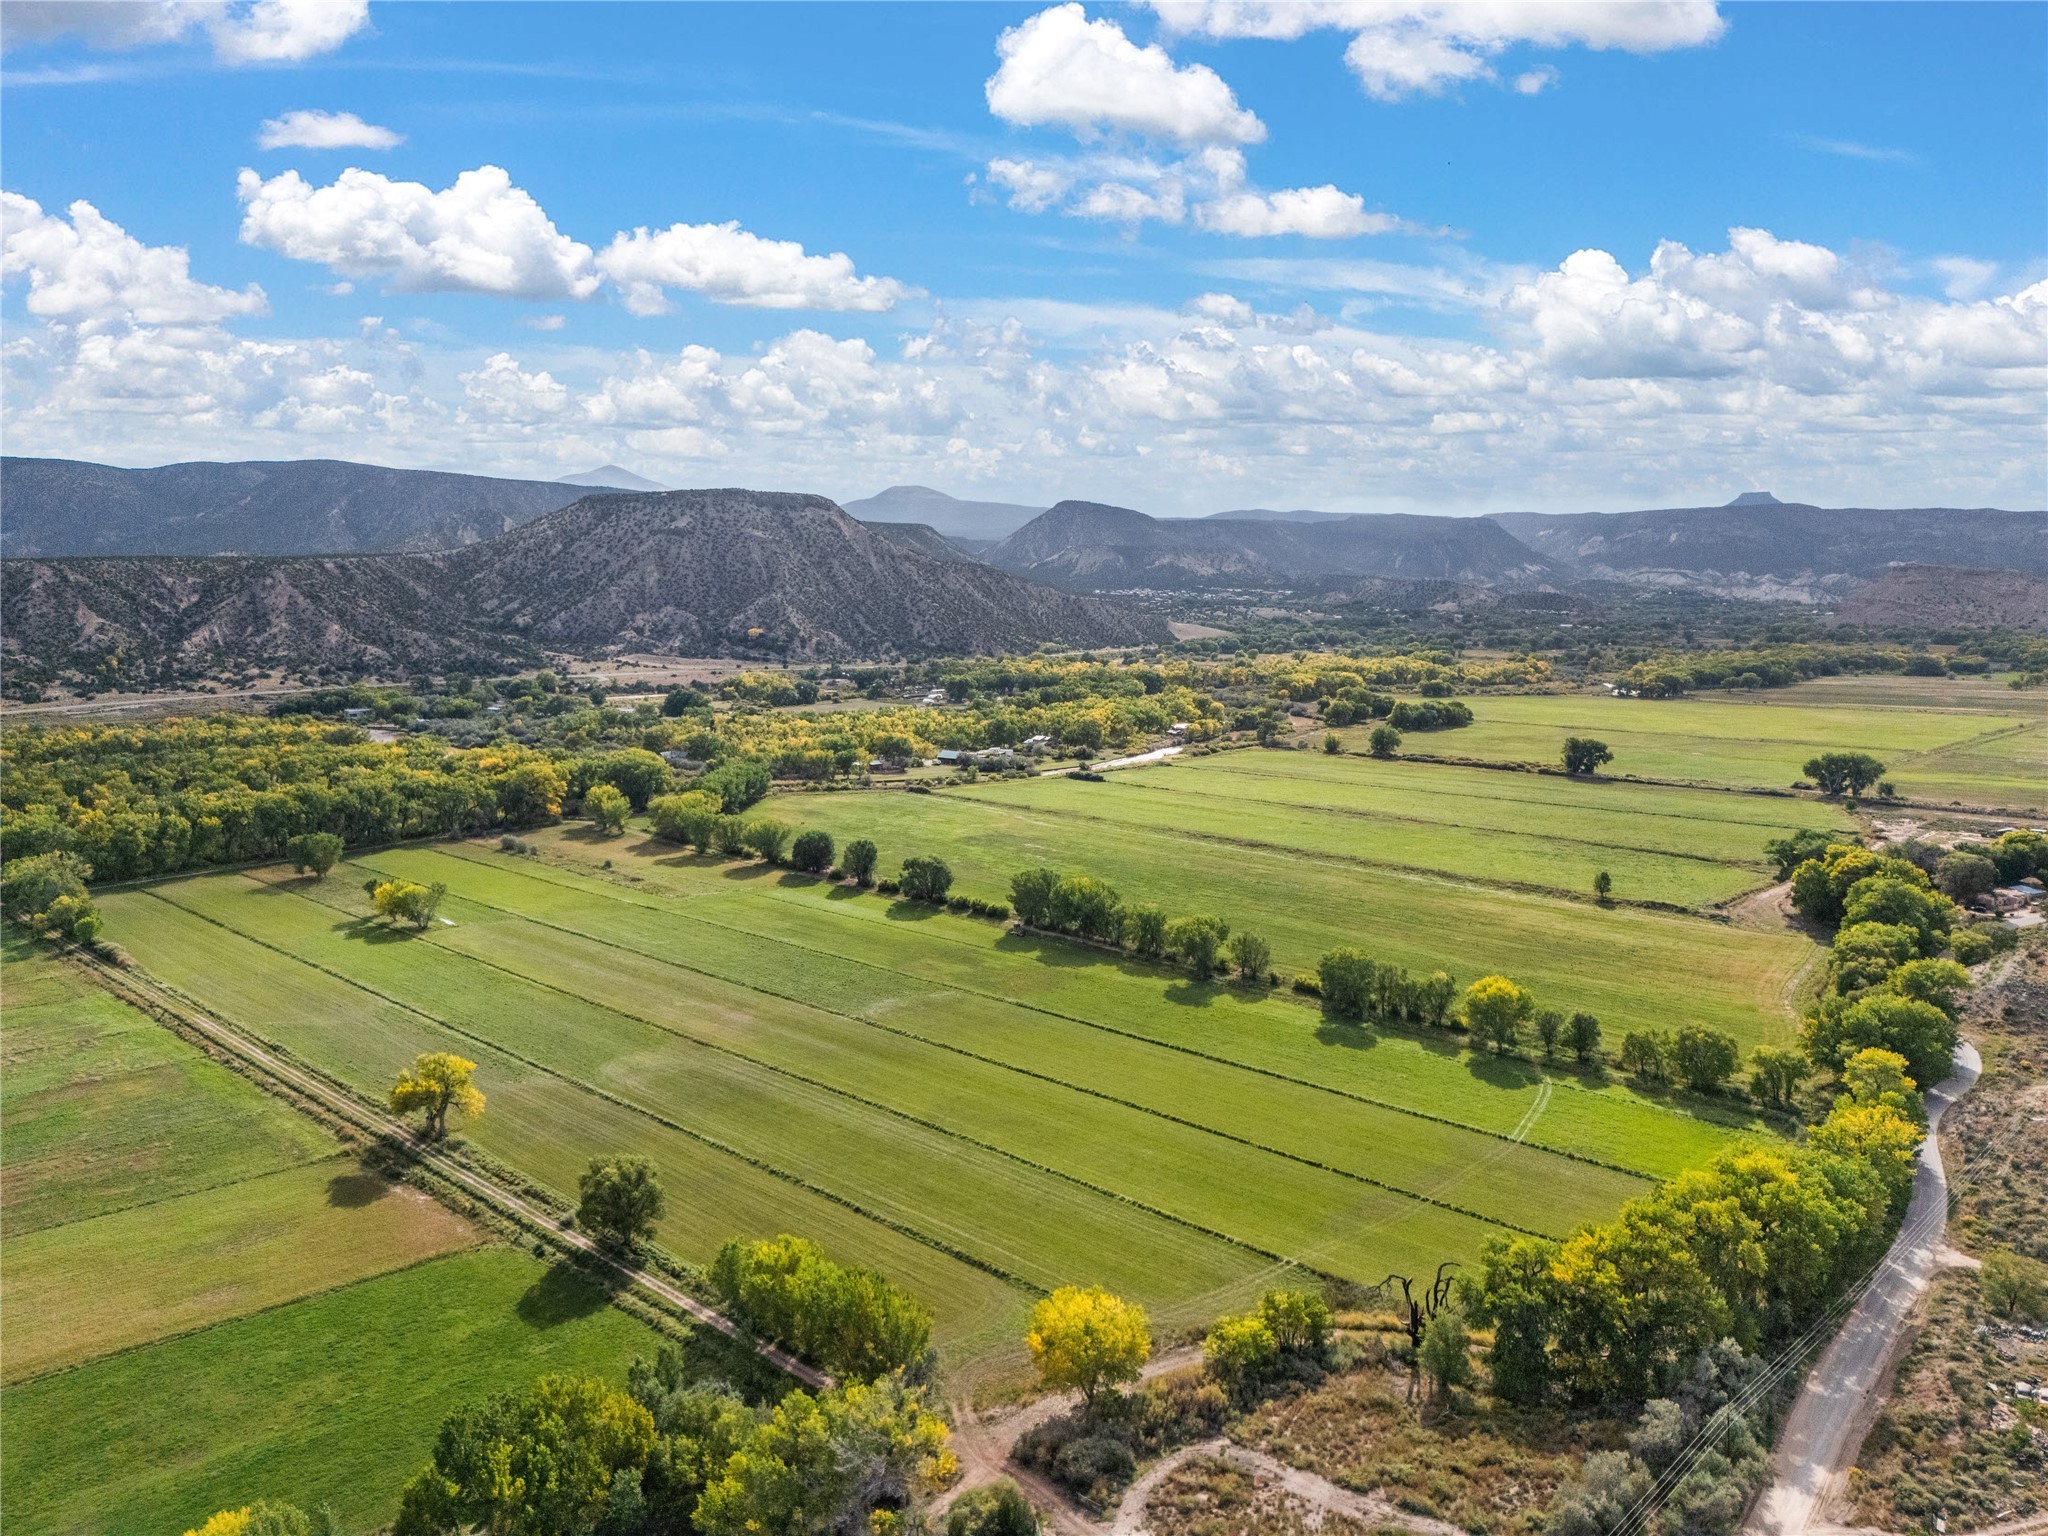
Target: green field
x=981 y=1116
x=208 y=1300
x=1679 y=846
x=1953 y=740
x=334 y=1399
x=1570 y=953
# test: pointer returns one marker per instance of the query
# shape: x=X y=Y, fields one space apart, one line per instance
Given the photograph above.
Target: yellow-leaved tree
x=1086 y=1339
x=435 y=1083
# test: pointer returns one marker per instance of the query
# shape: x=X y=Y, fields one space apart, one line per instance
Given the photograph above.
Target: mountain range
x=57 y=507
x=1087 y=545
x=723 y=572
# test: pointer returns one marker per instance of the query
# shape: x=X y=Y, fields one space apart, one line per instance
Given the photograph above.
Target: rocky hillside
x=1784 y=551
x=1084 y=544
x=1943 y=597
x=58 y=507
x=922 y=539
x=728 y=572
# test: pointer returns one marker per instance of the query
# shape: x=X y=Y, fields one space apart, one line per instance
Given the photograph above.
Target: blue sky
x=1188 y=257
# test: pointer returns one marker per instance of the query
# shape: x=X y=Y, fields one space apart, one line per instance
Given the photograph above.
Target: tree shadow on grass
x=1352 y=1037
x=1049 y=951
x=587 y=833
x=354 y=1190
x=1498 y=1071
x=365 y=930
x=1192 y=994
x=799 y=880
x=843 y=892
x=566 y=1292
x=753 y=869
x=912 y=911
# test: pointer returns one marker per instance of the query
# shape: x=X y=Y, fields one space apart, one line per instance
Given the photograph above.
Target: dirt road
x=1840 y=1397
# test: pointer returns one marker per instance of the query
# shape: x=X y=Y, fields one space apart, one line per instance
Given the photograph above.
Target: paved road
x=1835 y=1407
x=486 y=1189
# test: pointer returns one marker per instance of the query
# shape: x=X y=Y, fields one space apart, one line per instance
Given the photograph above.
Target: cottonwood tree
x=435 y=1083
x=1195 y=942
x=621 y=1200
x=811 y=852
x=1250 y=955
x=1445 y=1354
x=1031 y=896
x=1703 y=1058
x=1583 y=1031
x=1775 y=1073
x=1385 y=741
x=1496 y=1009
x=859 y=860
x=925 y=878
x=1844 y=773
x=608 y=807
x=314 y=853
x=1085 y=1339
x=768 y=839
x=408 y=901
x=1582 y=754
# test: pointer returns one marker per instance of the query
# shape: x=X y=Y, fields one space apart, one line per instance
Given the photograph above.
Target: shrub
x=1195 y=941
x=1306 y=985
x=1496 y=1009
x=1031 y=894
x=886 y=887
x=2014 y=1285
x=1385 y=741
x=1094 y=1465
x=997 y=1510
x=959 y=904
x=1582 y=754
x=811 y=852
x=688 y=818
x=768 y=838
x=729 y=836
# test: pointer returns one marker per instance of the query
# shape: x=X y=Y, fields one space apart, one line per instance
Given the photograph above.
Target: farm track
x=1518 y=1135
x=304 y=1082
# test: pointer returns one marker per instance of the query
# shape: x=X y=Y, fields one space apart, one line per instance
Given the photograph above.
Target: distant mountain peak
x=611 y=477
x=1756 y=499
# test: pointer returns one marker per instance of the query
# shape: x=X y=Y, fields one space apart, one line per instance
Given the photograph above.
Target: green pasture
x=1093 y=1020
x=1615 y=962
x=981 y=1116
x=1696 y=848
x=1932 y=750
x=91 y=1287
x=105 y=1108
x=540 y=1122
x=914 y=1026
x=333 y=1399
x=1134 y=1202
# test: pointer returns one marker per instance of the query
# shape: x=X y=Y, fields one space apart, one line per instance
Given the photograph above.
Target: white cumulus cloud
x=314 y=129
x=92 y=271
x=728 y=265
x=481 y=235
x=1419 y=47
x=1061 y=69
x=1320 y=213
x=501 y=391
x=264 y=32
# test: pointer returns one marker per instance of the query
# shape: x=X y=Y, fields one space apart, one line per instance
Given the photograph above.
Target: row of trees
x=850 y=1321
x=1888 y=986
x=1084 y=907
x=1750 y=1247
x=574 y=1456
x=1496 y=1011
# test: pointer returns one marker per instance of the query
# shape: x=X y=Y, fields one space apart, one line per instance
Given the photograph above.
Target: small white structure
x=1037 y=743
